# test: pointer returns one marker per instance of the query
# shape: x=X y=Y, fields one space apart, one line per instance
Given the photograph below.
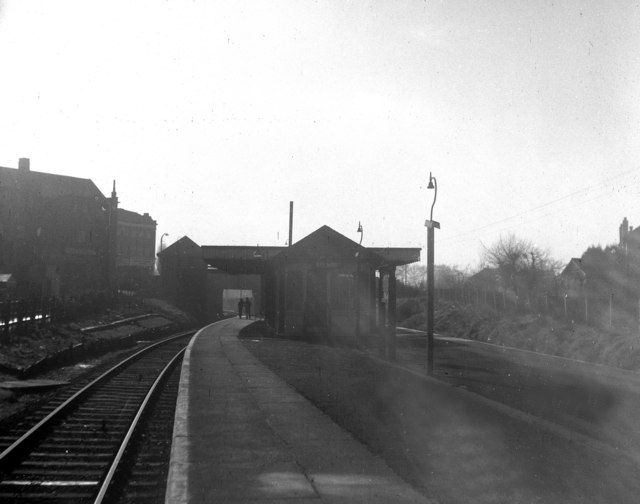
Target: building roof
x=328 y=245
x=134 y=218
x=48 y=185
x=486 y=276
x=574 y=268
x=184 y=246
x=324 y=244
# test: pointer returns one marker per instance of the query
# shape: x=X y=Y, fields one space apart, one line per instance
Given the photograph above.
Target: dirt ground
x=451 y=449
x=23 y=350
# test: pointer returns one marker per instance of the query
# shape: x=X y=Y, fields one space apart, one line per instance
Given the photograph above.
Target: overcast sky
x=211 y=116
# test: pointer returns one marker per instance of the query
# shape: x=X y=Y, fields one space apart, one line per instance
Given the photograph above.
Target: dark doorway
x=315 y=309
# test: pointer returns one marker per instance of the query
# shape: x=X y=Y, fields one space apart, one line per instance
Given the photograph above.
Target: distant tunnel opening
x=231 y=298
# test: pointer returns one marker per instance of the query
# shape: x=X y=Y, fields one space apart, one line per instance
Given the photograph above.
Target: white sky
x=211 y=116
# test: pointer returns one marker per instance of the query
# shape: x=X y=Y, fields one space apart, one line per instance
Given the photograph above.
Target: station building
x=325 y=287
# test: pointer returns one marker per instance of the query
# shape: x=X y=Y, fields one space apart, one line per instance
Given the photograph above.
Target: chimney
x=290 y=223
x=23 y=164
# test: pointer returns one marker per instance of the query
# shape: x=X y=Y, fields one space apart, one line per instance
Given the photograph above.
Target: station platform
x=242 y=434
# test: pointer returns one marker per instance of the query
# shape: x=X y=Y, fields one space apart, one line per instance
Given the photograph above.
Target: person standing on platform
x=240 y=307
x=247 y=308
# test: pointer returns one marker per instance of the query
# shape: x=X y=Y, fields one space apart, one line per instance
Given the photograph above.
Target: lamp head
x=430 y=186
x=359 y=228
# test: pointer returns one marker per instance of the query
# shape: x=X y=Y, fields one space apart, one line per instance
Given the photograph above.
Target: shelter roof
x=397 y=256
x=324 y=244
x=185 y=246
x=328 y=245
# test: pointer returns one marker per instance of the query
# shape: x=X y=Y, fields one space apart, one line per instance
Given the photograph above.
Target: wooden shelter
x=329 y=288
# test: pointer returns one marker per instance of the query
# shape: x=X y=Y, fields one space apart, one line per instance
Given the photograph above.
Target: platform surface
x=242 y=434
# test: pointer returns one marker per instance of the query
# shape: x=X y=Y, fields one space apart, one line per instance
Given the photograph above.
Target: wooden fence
x=20 y=314
x=604 y=311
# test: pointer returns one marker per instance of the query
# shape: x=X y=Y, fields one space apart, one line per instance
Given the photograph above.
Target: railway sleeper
x=83 y=438
x=140 y=496
x=148 y=463
x=111 y=433
x=31 y=496
x=82 y=449
x=91 y=423
x=142 y=484
x=114 y=398
x=111 y=416
x=48 y=463
x=144 y=473
x=100 y=444
x=58 y=474
x=86 y=409
x=56 y=456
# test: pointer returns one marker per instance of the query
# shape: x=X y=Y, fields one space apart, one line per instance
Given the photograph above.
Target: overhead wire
x=543 y=205
x=533 y=220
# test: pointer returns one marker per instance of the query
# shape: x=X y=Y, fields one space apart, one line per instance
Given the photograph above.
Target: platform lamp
x=431 y=225
x=357 y=284
x=162 y=238
x=161 y=248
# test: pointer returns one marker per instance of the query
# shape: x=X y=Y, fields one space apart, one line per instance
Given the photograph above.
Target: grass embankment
x=539 y=333
x=450 y=448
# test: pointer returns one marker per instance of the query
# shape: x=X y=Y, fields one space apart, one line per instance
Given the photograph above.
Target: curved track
x=73 y=453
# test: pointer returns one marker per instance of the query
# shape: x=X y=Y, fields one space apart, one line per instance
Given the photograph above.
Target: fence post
x=610 y=310
x=586 y=310
x=565 y=307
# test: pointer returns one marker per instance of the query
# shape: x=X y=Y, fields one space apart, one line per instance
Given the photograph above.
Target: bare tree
x=523 y=267
x=445 y=276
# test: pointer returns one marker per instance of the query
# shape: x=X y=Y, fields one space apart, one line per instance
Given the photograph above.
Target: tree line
x=518 y=267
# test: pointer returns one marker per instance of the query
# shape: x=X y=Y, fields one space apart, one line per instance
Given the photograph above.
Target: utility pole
x=357 y=285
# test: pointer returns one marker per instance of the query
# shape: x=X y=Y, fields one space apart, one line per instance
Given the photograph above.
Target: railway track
x=92 y=442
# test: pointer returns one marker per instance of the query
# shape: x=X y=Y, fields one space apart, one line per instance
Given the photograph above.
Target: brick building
x=135 y=259
x=57 y=233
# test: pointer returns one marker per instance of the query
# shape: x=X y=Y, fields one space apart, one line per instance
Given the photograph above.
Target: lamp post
x=357 y=284
x=157 y=257
x=162 y=238
x=431 y=225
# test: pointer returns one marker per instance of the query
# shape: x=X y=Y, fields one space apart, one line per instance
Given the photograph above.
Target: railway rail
x=94 y=437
